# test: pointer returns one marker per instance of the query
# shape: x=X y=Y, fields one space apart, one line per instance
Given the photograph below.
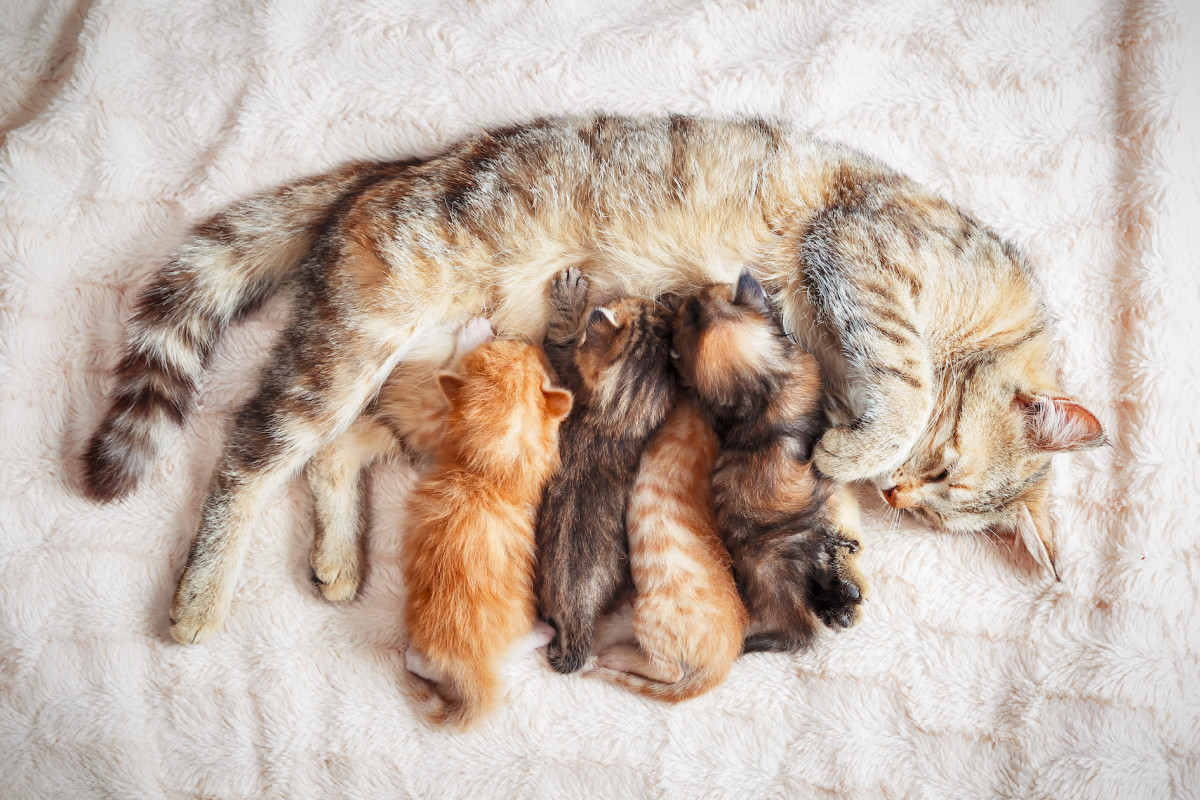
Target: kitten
x=793 y=548
x=412 y=426
x=617 y=369
x=687 y=616
x=469 y=559
x=900 y=295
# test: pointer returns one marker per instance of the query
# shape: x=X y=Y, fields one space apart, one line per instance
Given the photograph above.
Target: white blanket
x=1068 y=128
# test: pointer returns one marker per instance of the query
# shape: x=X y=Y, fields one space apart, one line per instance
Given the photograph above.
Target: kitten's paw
x=568 y=294
x=846 y=454
x=541 y=635
x=837 y=588
x=338 y=580
x=476 y=332
x=198 y=610
x=418 y=665
x=565 y=659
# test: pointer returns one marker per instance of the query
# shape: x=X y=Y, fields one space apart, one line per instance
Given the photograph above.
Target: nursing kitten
x=900 y=295
x=687 y=616
x=787 y=528
x=469 y=559
x=618 y=371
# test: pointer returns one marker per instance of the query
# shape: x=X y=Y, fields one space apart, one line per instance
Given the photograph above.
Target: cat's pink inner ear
x=558 y=403
x=1037 y=535
x=449 y=384
x=1059 y=424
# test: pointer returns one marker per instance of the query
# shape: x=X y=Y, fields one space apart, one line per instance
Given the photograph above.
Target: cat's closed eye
x=941 y=476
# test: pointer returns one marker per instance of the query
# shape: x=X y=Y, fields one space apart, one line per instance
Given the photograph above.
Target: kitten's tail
x=230 y=264
x=695 y=682
x=461 y=704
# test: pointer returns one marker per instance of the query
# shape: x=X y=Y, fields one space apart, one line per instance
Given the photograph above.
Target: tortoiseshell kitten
x=618 y=369
x=790 y=532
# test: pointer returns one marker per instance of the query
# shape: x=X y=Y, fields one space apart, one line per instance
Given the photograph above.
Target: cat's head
x=983 y=463
x=503 y=409
x=727 y=340
x=622 y=357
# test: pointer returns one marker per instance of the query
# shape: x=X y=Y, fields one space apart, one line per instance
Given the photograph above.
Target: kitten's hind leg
x=630 y=659
x=836 y=587
x=335 y=477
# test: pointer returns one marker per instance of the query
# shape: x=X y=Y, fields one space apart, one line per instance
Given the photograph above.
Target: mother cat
x=932 y=331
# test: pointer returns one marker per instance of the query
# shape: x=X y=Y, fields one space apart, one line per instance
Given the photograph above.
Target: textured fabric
x=1069 y=128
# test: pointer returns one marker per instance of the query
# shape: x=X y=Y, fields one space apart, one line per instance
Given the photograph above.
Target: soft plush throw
x=1069 y=127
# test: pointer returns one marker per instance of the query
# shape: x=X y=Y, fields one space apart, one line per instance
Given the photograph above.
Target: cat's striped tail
x=229 y=264
x=695 y=682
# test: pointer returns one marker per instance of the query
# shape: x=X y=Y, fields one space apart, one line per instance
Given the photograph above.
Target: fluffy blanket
x=1067 y=127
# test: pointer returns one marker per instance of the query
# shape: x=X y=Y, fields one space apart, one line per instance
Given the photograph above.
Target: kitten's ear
x=558 y=403
x=671 y=302
x=602 y=319
x=1036 y=533
x=1059 y=424
x=449 y=384
x=750 y=293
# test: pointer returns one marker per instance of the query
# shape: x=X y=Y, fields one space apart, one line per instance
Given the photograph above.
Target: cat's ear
x=750 y=293
x=449 y=385
x=1059 y=424
x=1036 y=533
x=558 y=403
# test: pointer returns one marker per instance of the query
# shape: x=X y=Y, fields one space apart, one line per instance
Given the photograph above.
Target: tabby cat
x=687 y=616
x=469 y=559
x=790 y=532
x=618 y=370
x=905 y=299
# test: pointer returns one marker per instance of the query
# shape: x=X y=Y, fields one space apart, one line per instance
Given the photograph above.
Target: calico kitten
x=469 y=559
x=687 y=616
x=618 y=371
x=899 y=294
x=792 y=543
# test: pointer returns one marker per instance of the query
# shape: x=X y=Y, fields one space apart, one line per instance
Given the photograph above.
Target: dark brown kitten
x=787 y=528
x=617 y=367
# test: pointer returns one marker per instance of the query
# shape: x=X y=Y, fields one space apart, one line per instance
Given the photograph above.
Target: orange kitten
x=687 y=616
x=469 y=560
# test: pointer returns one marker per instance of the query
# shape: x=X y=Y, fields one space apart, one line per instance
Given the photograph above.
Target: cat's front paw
x=836 y=587
x=568 y=296
x=198 y=609
x=846 y=454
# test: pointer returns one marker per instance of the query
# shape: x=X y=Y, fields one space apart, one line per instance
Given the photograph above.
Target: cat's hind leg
x=336 y=477
x=322 y=376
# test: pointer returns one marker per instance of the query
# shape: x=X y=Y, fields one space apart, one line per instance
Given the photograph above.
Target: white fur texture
x=1068 y=127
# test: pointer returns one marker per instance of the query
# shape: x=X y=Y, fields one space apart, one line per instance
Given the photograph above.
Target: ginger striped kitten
x=791 y=532
x=907 y=302
x=687 y=616
x=470 y=556
x=616 y=365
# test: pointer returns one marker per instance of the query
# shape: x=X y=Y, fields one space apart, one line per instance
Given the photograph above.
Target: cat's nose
x=896 y=498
